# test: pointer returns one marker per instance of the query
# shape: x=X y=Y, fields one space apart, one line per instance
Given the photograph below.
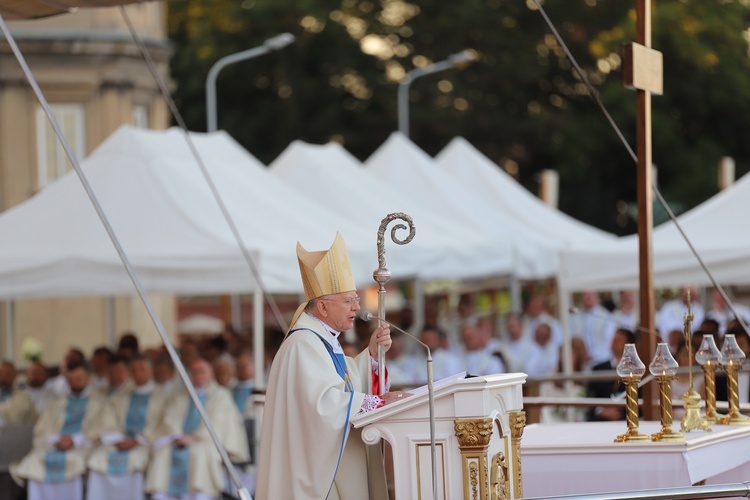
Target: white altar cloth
x=582 y=457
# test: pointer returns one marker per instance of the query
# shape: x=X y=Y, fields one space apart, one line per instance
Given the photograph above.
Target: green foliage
x=521 y=103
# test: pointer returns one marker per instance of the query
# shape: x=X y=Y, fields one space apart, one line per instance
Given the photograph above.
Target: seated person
x=15 y=404
x=63 y=437
x=118 y=465
x=185 y=462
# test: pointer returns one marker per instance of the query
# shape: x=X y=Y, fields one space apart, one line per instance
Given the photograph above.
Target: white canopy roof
x=405 y=167
x=168 y=222
x=341 y=183
x=485 y=179
x=717 y=228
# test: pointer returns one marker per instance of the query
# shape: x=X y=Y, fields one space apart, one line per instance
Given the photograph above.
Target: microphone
x=367 y=316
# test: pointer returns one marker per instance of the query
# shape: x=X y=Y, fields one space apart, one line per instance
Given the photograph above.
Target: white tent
x=403 y=166
x=489 y=182
x=168 y=222
x=439 y=249
x=717 y=228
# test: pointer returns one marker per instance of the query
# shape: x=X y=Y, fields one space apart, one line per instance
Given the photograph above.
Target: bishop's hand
x=380 y=337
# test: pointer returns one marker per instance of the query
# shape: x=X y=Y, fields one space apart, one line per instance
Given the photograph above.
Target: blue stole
x=4 y=394
x=240 y=395
x=178 y=472
x=339 y=361
x=117 y=461
x=54 y=461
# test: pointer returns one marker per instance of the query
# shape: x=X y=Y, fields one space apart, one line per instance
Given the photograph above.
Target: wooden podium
x=478 y=426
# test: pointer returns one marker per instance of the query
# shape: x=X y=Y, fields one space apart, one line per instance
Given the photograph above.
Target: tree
x=521 y=103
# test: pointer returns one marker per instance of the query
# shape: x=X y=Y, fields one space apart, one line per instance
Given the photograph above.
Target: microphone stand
x=367 y=316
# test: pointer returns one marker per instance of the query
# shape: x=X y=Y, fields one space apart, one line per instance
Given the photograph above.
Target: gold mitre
x=324 y=272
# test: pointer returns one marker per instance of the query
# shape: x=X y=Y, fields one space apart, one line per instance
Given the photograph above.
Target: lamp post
x=464 y=56
x=276 y=43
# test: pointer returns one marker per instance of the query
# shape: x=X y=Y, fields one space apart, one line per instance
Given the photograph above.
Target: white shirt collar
x=145 y=388
x=333 y=336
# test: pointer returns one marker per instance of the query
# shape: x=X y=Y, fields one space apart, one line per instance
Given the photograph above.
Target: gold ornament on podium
x=692 y=419
x=708 y=357
x=664 y=367
x=631 y=369
x=731 y=358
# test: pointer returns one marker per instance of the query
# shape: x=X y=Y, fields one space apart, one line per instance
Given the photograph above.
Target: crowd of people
x=120 y=424
x=532 y=343
x=121 y=420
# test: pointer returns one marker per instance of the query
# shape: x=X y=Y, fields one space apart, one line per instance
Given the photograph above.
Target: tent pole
x=516 y=306
x=109 y=313
x=563 y=298
x=9 y=331
x=418 y=303
x=259 y=340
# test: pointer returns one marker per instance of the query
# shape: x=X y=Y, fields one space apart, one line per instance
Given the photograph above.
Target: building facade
x=96 y=80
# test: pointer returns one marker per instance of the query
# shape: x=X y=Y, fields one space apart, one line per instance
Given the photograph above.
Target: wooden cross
x=643 y=71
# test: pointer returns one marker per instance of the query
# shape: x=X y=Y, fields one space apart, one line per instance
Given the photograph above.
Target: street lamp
x=464 y=56
x=276 y=43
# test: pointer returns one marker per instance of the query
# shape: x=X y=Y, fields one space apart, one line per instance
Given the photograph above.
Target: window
x=51 y=158
x=140 y=116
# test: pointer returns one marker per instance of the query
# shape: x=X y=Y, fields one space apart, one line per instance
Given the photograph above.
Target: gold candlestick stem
x=631 y=412
x=665 y=403
x=734 y=417
x=709 y=376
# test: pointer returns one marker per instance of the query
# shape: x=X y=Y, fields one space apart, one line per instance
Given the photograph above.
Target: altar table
x=582 y=457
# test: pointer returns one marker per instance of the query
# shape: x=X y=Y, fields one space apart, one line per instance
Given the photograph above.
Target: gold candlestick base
x=735 y=418
x=667 y=434
x=692 y=419
x=632 y=434
x=712 y=417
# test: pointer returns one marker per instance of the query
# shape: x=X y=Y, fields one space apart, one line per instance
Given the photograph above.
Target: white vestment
x=304 y=422
x=98 y=419
x=596 y=328
x=17 y=408
x=205 y=472
x=137 y=457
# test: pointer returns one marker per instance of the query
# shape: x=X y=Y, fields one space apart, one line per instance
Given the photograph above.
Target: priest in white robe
x=63 y=438
x=185 y=463
x=117 y=467
x=35 y=387
x=308 y=448
x=15 y=404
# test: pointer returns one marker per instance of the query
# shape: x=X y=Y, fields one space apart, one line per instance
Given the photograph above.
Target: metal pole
x=275 y=43
x=403 y=86
x=9 y=331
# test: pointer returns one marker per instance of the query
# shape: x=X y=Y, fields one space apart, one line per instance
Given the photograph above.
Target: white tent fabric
x=439 y=250
x=717 y=228
x=168 y=222
x=486 y=180
x=401 y=164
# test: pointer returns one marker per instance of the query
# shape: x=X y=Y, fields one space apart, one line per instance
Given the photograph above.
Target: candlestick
x=708 y=357
x=664 y=367
x=631 y=369
x=732 y=358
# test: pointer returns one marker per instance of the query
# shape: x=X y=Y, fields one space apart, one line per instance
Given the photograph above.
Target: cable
x=219 y=200
x=594 y=95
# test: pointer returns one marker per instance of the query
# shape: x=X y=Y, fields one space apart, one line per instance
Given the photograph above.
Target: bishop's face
x=338 y=310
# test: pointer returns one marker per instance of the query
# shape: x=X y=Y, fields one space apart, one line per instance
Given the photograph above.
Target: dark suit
x=604 y=389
